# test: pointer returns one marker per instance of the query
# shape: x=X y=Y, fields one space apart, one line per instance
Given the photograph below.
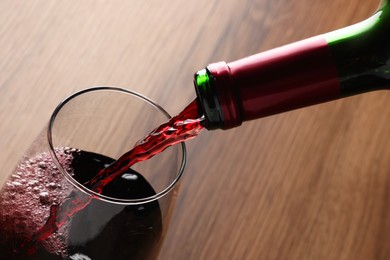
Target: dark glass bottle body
x=349 y=61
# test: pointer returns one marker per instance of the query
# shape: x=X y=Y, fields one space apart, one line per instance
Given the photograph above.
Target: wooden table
x=308 y=184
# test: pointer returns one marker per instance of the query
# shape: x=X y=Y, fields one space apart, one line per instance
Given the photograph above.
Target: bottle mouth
x=208 y=102
x=136 y=201
x=217 y=96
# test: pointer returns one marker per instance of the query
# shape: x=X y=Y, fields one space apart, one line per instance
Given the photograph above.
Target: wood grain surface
x=308 y=184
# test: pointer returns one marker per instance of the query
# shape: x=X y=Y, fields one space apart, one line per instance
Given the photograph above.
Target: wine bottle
x=345 y=62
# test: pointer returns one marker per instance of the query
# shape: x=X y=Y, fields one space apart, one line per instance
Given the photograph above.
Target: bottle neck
x=362 y=53
x=208 y=100
x=345 y=62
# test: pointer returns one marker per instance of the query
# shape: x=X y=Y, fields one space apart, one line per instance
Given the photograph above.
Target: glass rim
x=90 y=192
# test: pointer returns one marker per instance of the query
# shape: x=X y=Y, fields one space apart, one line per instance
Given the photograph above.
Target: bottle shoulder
x=362 y=53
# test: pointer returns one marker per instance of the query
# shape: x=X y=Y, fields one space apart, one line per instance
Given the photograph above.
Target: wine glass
x=46 y=211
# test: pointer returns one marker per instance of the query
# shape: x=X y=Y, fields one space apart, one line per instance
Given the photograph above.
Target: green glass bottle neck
x=354 y=31
x=341 y=63
x=208 y=99
x=362 y=53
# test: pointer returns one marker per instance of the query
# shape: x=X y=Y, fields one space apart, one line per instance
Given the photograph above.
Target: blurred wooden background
x=308 y=184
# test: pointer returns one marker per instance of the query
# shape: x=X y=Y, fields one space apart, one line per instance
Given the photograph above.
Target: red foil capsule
x=282 y=79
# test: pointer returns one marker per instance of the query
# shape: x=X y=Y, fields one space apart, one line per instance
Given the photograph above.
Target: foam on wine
x=27 y=197
x=37 y=204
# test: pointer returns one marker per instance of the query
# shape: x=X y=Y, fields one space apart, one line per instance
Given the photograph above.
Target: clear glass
x=126 y=223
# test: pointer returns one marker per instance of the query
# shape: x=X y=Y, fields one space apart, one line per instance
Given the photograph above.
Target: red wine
x=103 y=175
x=184 y=126
x=37 y=191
